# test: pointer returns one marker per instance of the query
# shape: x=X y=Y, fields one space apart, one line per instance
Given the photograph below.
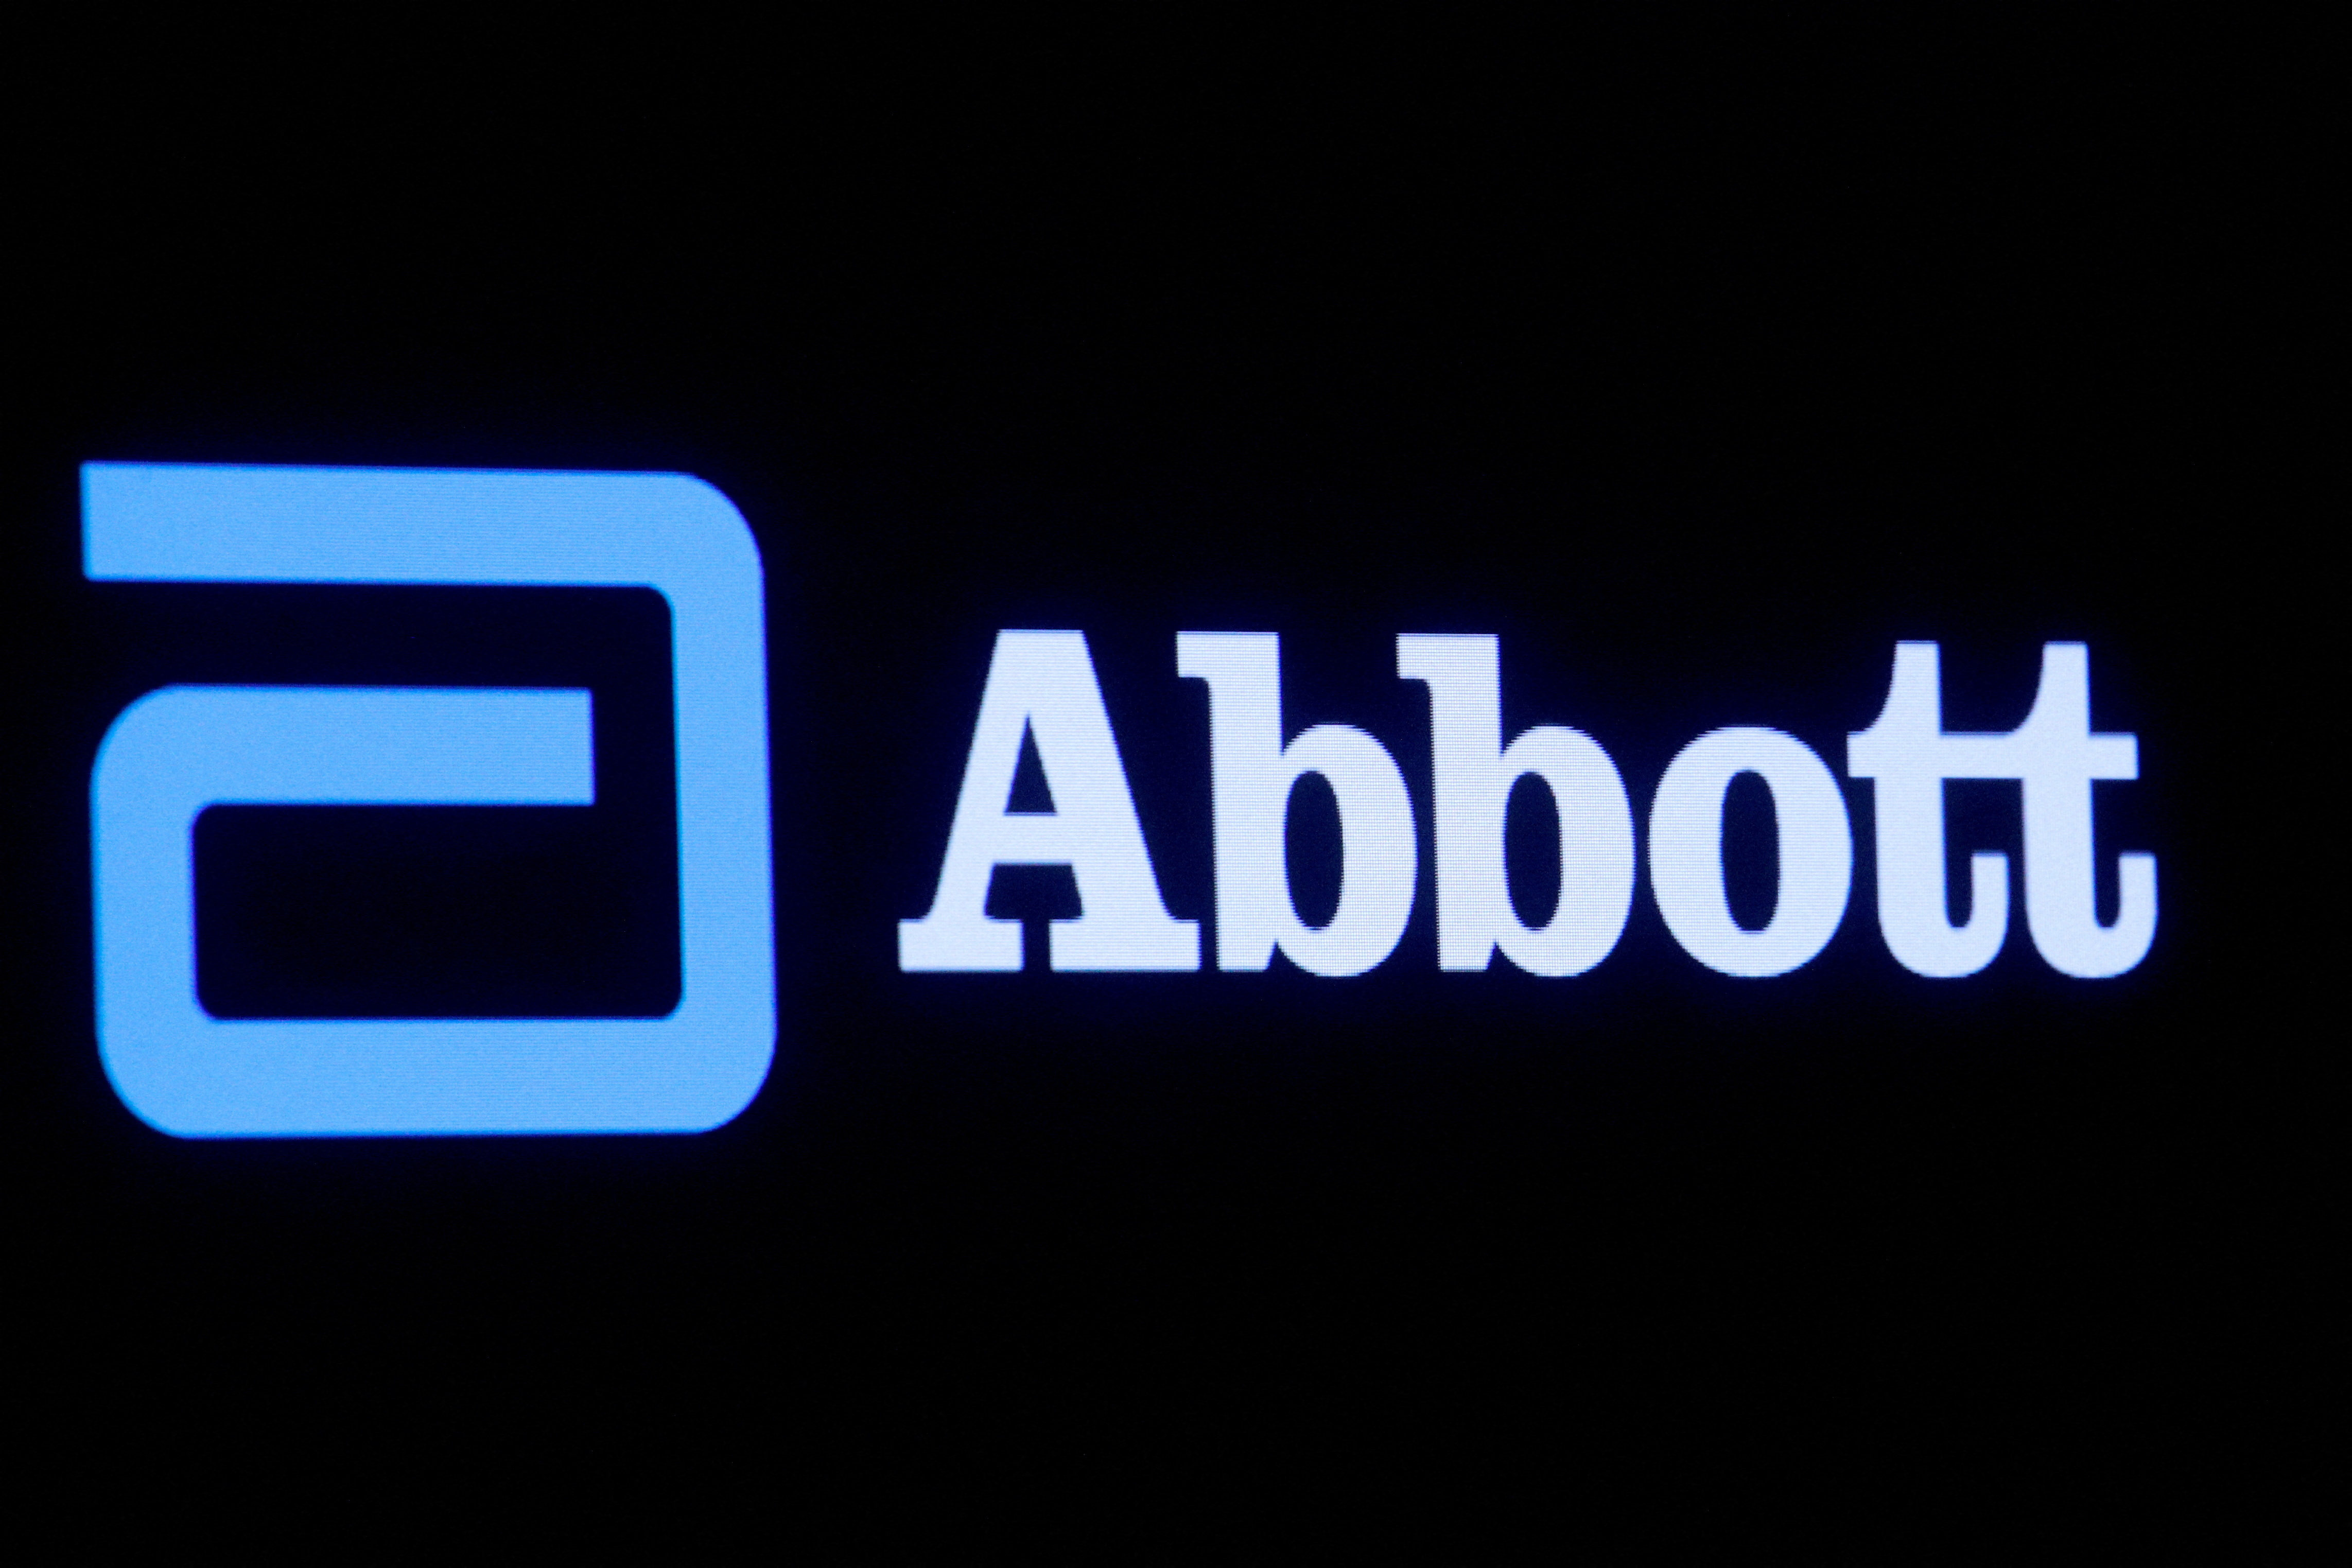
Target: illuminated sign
x=177 y=751
x=1042 y=684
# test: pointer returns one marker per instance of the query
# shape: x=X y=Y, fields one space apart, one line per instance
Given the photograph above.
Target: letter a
x=1043 y=684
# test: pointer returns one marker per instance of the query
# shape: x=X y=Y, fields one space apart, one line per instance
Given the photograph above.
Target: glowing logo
x=1042 y=683
x=179 y=750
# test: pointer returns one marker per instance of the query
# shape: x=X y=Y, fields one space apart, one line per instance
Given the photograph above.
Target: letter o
x=1686 y=851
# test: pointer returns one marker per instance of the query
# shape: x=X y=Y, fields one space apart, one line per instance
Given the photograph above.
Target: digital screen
x=1447 y=795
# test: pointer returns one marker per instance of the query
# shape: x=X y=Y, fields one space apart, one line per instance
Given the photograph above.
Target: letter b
x=1474 y=775
x=1253 y=774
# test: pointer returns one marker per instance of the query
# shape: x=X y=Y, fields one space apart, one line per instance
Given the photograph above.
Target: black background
x=1700 y=369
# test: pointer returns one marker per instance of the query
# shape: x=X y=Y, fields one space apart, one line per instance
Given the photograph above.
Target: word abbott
x=1042 y=684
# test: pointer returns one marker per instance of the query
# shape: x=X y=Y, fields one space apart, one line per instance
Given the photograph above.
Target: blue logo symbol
x=179 y=750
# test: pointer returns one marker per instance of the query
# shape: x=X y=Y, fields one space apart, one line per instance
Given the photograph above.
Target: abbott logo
x=1041 y=685
x=180 y=749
